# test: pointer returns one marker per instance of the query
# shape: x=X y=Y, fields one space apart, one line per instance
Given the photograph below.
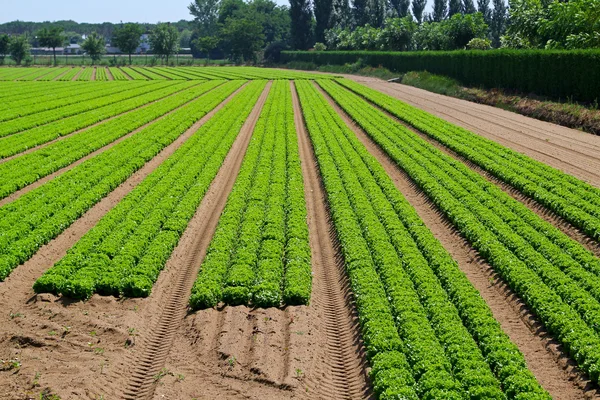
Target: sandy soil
x=544 y=357
x=572 y=151
x=75 y=349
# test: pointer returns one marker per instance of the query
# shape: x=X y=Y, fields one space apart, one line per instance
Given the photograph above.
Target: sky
x=95 y=11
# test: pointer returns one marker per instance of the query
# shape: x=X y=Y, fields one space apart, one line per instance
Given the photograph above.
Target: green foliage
x=396 y=267
x=396 y=34
x=18 y=48
x=4 y=47
x=53 y=38
x=205 y=13
x=320 y=46
x=553 y=274
x=127 y=38
x=301 y=24
x=479 y=44
x=440 y=10
x=259 y=253
x=125 y=252
x=558 y=74
x=243 y=38
x=164 y=41
x=418 y=6
x=553 y=24
x=94 y=46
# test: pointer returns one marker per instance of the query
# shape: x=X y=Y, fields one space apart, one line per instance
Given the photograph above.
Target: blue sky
x=97 y=10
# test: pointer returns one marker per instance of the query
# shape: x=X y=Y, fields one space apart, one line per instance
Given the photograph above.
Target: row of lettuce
x=576 y=201
x=41 y=214
x=25 y=169
x=123 y=104
x=260 y=254
x=555 y=276
x=59 y=109
x=147 y=73
x=427 y=332
x=125 y=252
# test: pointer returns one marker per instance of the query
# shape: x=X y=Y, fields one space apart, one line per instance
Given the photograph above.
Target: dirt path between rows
x=544 y=356
x=300 y=352
x=75 y=349
x=109 y=74
x=571 y=151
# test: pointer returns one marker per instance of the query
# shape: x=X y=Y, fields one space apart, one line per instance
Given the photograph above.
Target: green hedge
x=560 y=74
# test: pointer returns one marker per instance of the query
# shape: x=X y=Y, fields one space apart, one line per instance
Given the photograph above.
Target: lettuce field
x=242 y=232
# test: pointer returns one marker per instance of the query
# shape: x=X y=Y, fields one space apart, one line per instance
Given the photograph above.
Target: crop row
x=259 y=253
x=576 y=201
x=101 y=74
x=516 y=242
x=453 y=345
x=28 y=168
x=48 y=97
x=41 y=214
x=34 y=75
x=70 y=74
x=55 y=73
x=134 y=74
x=148 y=73
x=86 y=74
x=125 y=252
x=22 y=141
x=108 y=95
x=117 y=74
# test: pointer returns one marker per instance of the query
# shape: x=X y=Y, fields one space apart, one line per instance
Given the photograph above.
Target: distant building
x=144 y=47
x=73 y=48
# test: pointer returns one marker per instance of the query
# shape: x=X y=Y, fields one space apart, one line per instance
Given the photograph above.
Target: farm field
x=252 y=233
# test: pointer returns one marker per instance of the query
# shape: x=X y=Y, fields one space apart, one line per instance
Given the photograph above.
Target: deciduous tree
x=94 y=46
x=205 y=13
x=164 y=41
x=127 y=38
x=19 y=48
x=52 y=37
x=4 y=47
x=455 y=7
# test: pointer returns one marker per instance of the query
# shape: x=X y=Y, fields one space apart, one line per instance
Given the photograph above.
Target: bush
x=479 y=44
x=320 y=46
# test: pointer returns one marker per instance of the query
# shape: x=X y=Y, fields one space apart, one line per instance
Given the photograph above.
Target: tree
x=206 y=13
x=301 y=24
x=52 y=37
x=463 y=28
x=401 y=7
x=18 y=48
x=164 y=41
x=185 y=38
x=376 y=12
x=206 y=44
x=323 y=17
x=498 y=23
x=359 y=11
x=127 y=38
x=340 y=16
x=397 y=34
x=94 y=46
x=4 y=47
x=483 y=6
x=243 y=37
x=454 y=7
x=439 y=10
x=417 y=9
x=469 y=7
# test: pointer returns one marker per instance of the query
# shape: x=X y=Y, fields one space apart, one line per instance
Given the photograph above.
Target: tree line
x=164 y=42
